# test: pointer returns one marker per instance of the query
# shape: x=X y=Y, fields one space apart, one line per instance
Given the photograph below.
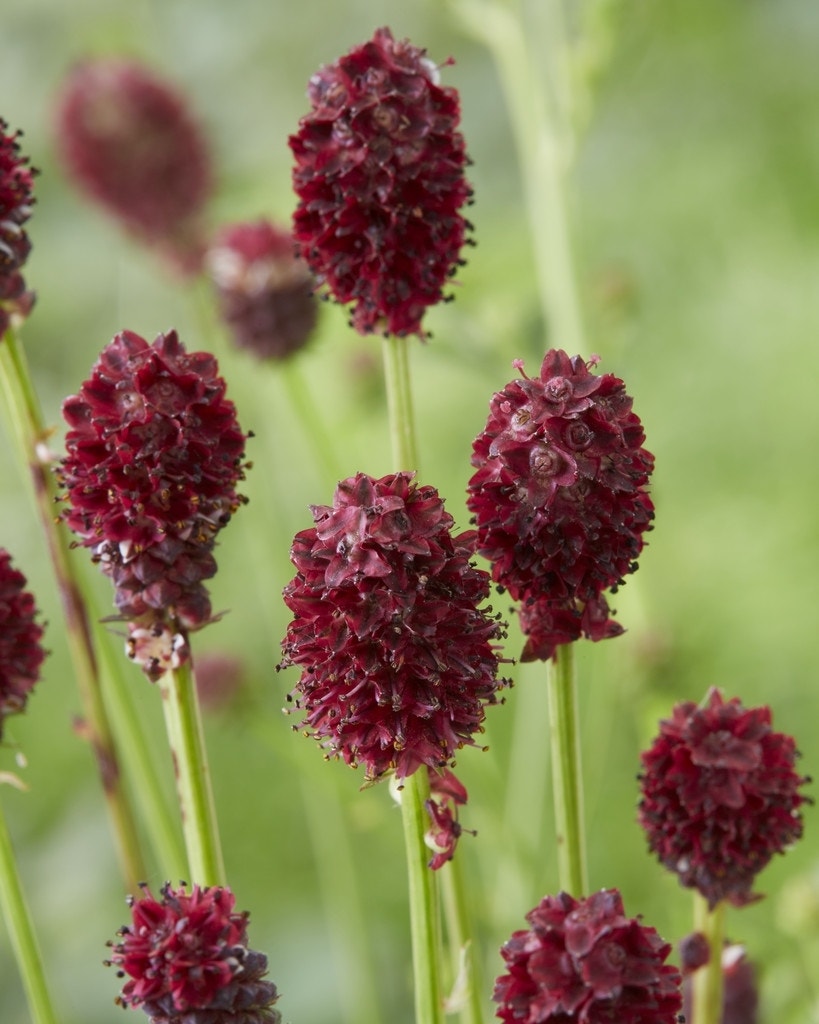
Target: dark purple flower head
x=583 y=960
x=187 y=961
x=559 y=498
x=448 y=793
x=380 y=179
x=720 y=796
x=265 y=291
x=740 y=998
x=21 y=653
x=16 y=199
x=154 y=454
x=129 y=142
x=397 y=658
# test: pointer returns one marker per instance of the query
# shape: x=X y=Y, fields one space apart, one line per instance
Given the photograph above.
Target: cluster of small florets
x=447 y=794
x=21 y=651
x=154 y=454
x=16 y=198
x=380 y=179
x=720 y=796
x=398 y=659
x=559 y=498
x=187 y=960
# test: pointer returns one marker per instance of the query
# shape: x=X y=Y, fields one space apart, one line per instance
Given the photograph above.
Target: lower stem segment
x=567 y=773
x=707 y=981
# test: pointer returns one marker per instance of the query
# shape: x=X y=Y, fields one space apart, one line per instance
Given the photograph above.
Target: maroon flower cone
x=154 y=454
x=559 y=498
x=265 y=291
x=720 y=796
x=187 y=961
x=21 y=652
x=397 y=658
x=583 y=960
x=16 y=199
x=379 y=175
x=740 y=997
x=129 y=142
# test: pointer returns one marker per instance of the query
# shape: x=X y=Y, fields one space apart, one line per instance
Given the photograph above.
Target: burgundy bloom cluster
x=129 y=142
x=16 y=199
x=397 y=658
x=740 y=996
x=265 y=291
x=559 y=498
x=187 y=960
x=720 y=796
x=448 y=793
x=583 y=960
x=154 y=454
x=21 y=652
x=380 y=178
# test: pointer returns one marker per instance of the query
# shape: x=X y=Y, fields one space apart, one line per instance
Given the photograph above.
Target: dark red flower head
x=740 y=998
x=154 y=454
x=720 y=796
x=265 y=291
x=447 y=794
x=129 y=142
x=380 y=179
x=16 y=199
x=187 y=962
x=21 y=653
x=559 y=498
x=583 y=960
x=397 y=659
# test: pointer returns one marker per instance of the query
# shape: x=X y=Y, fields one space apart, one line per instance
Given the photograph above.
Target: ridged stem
x=467 y=996
x=707 y=982
x=31 y=437
x=21 y=932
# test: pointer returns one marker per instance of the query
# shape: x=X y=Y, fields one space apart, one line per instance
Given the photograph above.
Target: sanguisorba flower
x=584 y=960
x=265 y=291
x=154 y=455
x=559 y=497
x=447 y=794
x=129 y=142
x=187 y=961
x=398 y=660
x=379 y=175
x=21 y=651
x=720 y=796
x=16 y=199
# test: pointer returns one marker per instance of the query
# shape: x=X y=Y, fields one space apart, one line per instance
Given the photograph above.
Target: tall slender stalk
x=707 y=982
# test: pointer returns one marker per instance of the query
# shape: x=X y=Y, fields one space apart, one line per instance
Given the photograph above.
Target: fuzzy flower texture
x=154 y=454
x=379 y=175
x=559 y=498
x=585 y=961
x=187 y=962
x=16 y=198
x=720 y=796
x=21 y=651
x=397 y=658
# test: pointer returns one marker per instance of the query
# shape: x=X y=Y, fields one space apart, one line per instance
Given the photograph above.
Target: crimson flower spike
x=21 y=650
x=16 y=199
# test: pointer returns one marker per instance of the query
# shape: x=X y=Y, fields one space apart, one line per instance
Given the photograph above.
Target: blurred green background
x=696 y=217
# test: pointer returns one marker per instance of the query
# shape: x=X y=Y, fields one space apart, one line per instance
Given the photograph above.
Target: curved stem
x=707 y=981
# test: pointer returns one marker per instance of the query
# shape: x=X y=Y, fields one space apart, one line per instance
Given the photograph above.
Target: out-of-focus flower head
x=379 y=175
x=585 y=961
x=187 y=961
x=559 y=498
x=265 y=291
x=21 y=651
x=720 y=796
x=740 y=997
x=16 y=199
x=129 y=142
x=448 y=793
x=398 y=660
x=154 y=454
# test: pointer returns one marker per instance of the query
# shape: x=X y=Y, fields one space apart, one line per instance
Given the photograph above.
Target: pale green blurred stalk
x=707 y=982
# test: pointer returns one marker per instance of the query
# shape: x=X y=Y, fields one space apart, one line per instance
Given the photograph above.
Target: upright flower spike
x=720 y=796
x=129 y=142
x=265 y=291
x=585 y=961
x=397 y=658
x=187 y=961
x=21 y=651
x=559 y=498
x=16 y=199
x=154 y=454
x=379 y=175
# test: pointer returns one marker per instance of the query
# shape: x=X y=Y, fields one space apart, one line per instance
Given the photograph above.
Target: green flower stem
x=707 y=981
x=468 y=989
x=183 y=724
x=567 y=778
x=399 y=403
x=31 y=437
x=310 y=418
x=21 y=931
